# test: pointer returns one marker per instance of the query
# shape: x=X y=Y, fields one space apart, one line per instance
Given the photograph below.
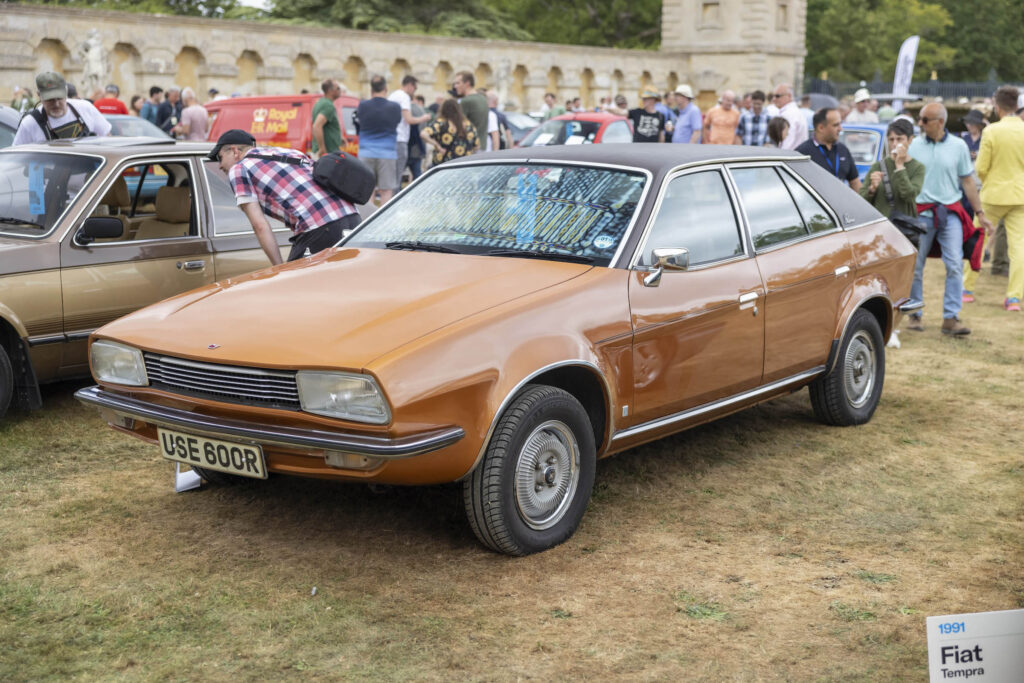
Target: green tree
x=987 y=37
x=606 y=23
x=197 y=8
x=852 y=39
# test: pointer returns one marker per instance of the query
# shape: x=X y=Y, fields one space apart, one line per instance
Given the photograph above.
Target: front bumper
x=218 y=427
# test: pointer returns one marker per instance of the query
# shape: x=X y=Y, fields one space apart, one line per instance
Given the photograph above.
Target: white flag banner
x=904 y=70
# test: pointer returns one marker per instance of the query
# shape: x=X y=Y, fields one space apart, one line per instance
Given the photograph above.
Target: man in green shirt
x=326 y=129
x=474 y=105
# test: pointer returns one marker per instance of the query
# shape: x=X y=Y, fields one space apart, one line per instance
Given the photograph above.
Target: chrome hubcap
x=859 y=369
x=547 y=472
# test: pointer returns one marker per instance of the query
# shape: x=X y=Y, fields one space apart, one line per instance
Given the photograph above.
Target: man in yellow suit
x=1000 y=167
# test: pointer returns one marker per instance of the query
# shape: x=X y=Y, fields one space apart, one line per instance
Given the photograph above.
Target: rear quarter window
x=851 y=208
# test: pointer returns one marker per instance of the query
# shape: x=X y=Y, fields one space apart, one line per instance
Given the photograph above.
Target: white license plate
x=245 y=460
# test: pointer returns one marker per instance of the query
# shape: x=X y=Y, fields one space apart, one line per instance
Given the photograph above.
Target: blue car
x=866 y=142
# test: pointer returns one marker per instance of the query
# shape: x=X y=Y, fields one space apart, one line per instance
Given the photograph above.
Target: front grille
x=248 y=386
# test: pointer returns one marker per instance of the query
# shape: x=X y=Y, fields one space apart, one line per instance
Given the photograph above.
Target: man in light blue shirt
x=947 y=169
x=689 y=123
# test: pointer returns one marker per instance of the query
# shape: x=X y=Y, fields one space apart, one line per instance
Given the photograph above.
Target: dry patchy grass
x=761 y=547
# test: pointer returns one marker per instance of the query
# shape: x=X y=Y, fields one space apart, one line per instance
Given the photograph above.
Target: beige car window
x=696 y=214
x=227 y=217
x=152 y=200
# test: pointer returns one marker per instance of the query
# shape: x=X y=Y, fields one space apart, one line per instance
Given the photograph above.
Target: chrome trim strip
x=716 y=405
x=75 y=336
x=46 y=339
x=253 y=432
x=221 y=367
x=609 y=428
x=911 y=306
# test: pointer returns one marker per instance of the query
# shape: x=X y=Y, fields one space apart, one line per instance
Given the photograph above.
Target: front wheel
x=531 y=489
x=848 y=394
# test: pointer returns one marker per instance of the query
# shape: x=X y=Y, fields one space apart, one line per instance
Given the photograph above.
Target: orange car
x=505 y=321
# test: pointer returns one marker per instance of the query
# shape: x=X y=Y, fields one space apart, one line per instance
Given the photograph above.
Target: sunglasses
x=924 y=119
x=776 y=96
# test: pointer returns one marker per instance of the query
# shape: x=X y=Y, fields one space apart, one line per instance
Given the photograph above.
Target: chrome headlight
x=117 y=364
x=342 y=395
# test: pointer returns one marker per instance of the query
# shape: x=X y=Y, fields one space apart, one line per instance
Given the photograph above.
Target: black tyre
x=531 y=489
x=848 y=394
x=217 y=477
x=6 y=382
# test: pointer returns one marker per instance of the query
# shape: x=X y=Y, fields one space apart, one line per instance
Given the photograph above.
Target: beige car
x=94 y=229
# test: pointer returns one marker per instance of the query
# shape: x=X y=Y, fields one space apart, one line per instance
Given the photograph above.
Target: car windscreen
x=562 y=132
x=133 y=126
x=537 y=210
x=863 y=144
x=36 y=188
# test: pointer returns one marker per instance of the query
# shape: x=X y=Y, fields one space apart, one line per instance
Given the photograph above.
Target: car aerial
x=509 y=318
x=127 y=125
x=86 y=238
x=580 y=128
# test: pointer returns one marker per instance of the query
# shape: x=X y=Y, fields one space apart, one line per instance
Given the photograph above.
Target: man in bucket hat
x=59 y=117
x=689 y=122
x=278 y=182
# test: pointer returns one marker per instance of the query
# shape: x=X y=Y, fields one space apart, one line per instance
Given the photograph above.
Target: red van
x=280 y=120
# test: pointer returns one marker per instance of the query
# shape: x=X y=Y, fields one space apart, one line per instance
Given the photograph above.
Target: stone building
x=710 y=44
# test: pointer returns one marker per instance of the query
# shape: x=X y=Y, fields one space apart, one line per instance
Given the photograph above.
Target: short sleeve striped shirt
x=286 y=191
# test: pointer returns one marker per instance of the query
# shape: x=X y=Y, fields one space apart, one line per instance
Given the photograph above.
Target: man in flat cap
x=59 y=117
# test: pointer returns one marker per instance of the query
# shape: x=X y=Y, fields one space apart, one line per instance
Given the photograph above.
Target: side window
x=617 y=131
x=227 y=217
x=696 y=214
x=814 y=214
x=153 y=200
x=770 y=210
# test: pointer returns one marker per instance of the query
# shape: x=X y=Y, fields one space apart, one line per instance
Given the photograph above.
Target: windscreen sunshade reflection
x=481 y=209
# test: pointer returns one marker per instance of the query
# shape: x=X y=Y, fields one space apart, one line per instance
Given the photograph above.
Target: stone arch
x=443 y=75
x=617 y=82
x=304 y=73
x=356 y=79
x=250 y=68
x=484 y=76
x=126 y=70
x=399 y=70
x=555 y=82
x=518 y=89
x=646 y=81
x=50 y=55
x=587 y=88
x=673 y=80
x=189 y=63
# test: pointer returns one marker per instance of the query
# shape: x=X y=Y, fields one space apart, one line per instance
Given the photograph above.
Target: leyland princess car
x=511 y=317
x=96 y=228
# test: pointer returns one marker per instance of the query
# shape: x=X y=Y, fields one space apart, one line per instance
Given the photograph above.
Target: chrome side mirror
x=671 y=259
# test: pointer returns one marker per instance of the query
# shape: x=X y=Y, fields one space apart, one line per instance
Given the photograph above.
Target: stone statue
x=94 y=63
x=502 y=77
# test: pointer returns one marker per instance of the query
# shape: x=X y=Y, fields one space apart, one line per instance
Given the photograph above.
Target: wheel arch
x=878 y=305
x=26 y=387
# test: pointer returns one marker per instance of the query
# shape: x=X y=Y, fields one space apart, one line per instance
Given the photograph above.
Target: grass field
x=761 y=547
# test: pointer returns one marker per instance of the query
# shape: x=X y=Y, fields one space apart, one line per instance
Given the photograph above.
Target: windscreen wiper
x=19 y=221
x=421 y=246
x=535 y=253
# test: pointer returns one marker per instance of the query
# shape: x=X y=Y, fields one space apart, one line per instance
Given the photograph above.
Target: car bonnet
x=338 y=309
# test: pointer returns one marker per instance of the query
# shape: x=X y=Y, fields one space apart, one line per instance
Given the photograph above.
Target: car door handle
x=842 y=270
x=748 y=297
x=191 y=265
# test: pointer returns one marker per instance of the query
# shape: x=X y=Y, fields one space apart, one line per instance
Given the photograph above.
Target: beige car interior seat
x=173 y=210
x=116 y=203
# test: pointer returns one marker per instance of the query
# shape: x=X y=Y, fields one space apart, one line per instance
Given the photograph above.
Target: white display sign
x=904 y=70
x=986 y=647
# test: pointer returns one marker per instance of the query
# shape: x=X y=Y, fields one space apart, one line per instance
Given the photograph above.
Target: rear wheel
x=531 y=489
x=6 y=382
x=849 y=393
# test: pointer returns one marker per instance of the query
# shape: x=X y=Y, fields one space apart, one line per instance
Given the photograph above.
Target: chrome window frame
x=783 y=167
x=187 y=159
x=615 y=258
x=680 y=172
x=96 y=176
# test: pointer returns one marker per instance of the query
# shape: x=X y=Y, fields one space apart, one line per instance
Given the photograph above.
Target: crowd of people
x=966 y=188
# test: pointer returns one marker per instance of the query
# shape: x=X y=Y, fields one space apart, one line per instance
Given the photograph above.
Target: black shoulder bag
x=338 y=173
x=912 y=227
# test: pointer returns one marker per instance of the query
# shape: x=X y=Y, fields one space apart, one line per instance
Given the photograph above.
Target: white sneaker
x=894 y=340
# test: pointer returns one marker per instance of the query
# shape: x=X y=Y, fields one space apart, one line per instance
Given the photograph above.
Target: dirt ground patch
x=761 y=547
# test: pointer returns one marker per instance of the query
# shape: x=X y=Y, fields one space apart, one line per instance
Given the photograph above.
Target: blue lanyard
x=834 y=169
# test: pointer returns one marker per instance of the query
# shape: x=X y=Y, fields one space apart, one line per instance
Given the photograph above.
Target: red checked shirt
x=286 y=191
